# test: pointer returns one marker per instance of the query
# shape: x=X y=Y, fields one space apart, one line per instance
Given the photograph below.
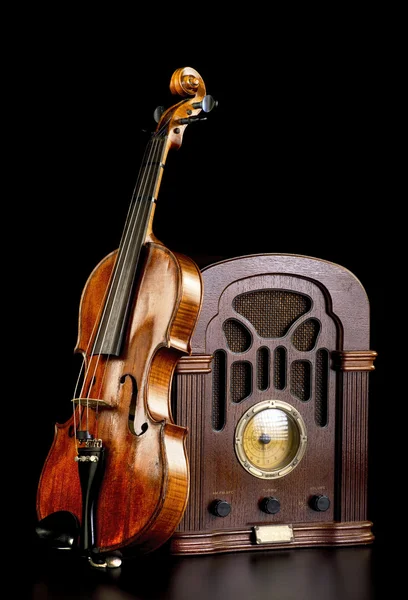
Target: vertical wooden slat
x=354 y=464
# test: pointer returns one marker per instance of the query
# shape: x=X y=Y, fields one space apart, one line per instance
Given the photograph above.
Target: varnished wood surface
x=145 y=487
x=303 y=574
x=304 y=535
x=335 y=277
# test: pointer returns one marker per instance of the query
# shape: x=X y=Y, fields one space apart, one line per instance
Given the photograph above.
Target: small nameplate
x=273 y=534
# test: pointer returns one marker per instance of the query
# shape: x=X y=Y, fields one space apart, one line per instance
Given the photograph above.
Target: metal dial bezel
x=297 y=419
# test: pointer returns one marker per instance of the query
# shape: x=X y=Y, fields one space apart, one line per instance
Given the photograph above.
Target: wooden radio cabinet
x=275 y=399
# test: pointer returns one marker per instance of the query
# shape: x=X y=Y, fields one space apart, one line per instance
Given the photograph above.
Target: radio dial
x=270 y=439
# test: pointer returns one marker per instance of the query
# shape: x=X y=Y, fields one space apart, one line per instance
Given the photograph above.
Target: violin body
x=145 y=496
x=119 y=464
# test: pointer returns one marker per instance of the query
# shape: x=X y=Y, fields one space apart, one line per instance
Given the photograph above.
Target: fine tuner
x=206 y=104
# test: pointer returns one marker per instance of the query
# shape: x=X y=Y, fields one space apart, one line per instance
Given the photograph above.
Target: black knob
x=320 y=503
x=270 y=505
x=220 y=508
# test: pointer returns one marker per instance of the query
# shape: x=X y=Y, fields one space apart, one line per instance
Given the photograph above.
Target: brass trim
x=256 y=470
x=354 y=360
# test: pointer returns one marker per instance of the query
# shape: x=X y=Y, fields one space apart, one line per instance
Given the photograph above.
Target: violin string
x=128 y=232
x=155 y=150
x=131 y=214
x=100 y=314
x=137 y=223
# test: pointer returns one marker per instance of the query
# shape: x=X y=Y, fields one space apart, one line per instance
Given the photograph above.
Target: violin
x=116 y=478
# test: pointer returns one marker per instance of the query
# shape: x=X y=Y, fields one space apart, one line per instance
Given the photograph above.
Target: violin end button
x=113 y=562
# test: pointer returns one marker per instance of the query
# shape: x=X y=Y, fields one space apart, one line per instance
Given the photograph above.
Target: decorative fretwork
x=277 y=317
x=241 y=380
x=305 y=336
x=300 y=376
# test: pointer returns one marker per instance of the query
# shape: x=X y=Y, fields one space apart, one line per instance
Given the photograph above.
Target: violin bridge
x=91 y=403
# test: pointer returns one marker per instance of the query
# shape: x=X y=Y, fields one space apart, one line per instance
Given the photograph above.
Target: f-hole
x=133 y=425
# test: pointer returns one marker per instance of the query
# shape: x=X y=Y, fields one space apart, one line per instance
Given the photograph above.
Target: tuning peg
x=158 y=113
x=207 y=104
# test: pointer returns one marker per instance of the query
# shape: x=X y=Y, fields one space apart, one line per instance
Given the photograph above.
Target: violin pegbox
x=187 y=83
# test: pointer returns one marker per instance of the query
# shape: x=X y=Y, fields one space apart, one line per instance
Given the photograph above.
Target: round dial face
x=270 y=439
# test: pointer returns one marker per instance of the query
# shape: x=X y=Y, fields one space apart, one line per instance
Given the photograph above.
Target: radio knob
x=270 y=505
x=220 y=508
x=320 y=503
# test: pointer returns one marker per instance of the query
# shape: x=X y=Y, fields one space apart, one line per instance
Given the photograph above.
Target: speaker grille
x=322 y=376
x=279 y=371
x=241 y=380
x=271 y=312
x=262 y=368
x=237 y=335
x=300 y=380
x=305 y=337
x=219 y=390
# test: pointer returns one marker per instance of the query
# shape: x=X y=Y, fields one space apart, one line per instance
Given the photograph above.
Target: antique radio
x=275 y=399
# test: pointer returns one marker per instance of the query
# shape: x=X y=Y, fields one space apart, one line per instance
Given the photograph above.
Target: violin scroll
x=188 y=83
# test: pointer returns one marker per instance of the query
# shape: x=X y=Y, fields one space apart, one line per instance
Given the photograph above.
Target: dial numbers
x=270 y=439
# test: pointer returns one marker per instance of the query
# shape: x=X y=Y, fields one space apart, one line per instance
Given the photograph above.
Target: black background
x=295 y=159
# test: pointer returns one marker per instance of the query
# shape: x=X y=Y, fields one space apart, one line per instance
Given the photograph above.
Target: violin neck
x=113 y=322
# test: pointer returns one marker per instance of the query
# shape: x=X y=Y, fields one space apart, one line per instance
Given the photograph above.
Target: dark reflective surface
x=358 y=573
